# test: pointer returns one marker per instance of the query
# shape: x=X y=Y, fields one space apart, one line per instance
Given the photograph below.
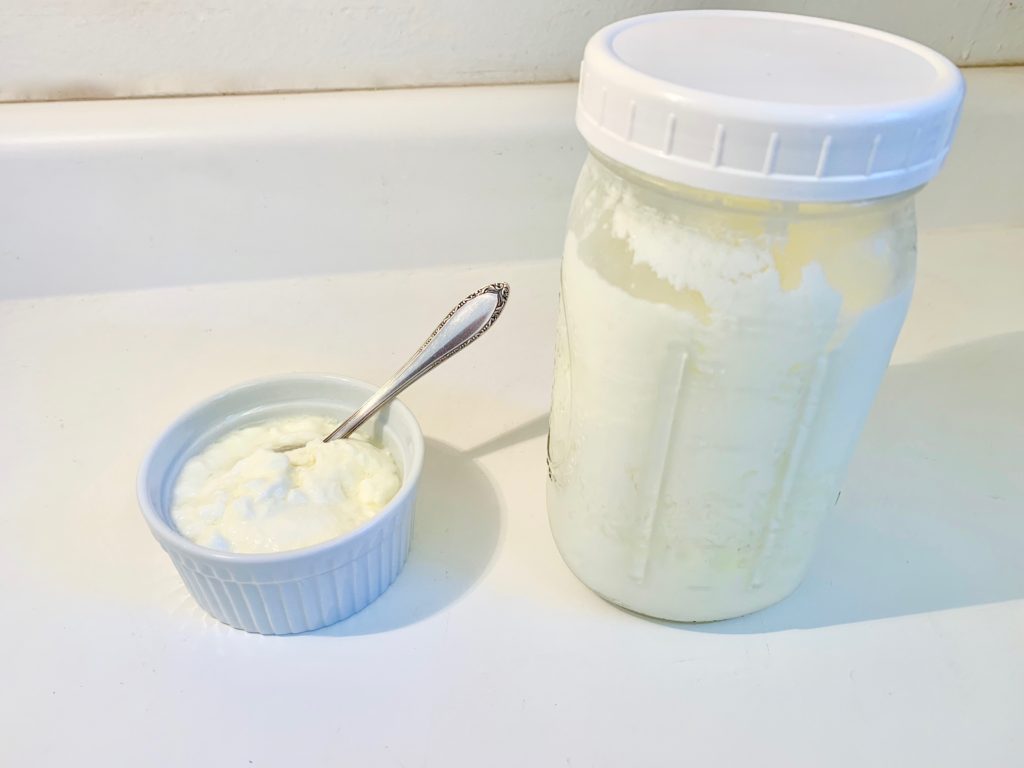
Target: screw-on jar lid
x=768 y=105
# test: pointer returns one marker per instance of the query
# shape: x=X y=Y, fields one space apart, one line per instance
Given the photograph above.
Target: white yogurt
x=708 y=393
x=242 y=495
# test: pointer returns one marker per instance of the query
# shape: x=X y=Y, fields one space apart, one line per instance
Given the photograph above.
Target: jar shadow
x=932 y=513
x=455 y=535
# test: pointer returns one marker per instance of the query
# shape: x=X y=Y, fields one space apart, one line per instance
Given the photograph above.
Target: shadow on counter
x=455 y=535
x=932 y=512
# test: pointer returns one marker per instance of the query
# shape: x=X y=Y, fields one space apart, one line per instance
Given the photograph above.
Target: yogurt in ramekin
x=299 y=589
x=276 y=486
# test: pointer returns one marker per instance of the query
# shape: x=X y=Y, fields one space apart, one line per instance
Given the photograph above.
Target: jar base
x=732 y=607
x=690 y=618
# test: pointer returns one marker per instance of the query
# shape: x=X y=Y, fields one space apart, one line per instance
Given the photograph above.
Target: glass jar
x=717 y=355
x=716 y=358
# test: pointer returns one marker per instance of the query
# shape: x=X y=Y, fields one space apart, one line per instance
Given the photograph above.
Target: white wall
x=58 y=49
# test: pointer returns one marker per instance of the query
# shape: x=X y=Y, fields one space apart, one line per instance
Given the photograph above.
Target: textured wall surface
x=58 y=49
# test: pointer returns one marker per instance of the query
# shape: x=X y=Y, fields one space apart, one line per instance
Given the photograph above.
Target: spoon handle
x=466 y=323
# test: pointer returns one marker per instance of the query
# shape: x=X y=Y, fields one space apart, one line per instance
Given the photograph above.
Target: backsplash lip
x=159 y=192
x=145 y=193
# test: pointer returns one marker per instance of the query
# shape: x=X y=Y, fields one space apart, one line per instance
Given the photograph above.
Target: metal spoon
x=466 y=323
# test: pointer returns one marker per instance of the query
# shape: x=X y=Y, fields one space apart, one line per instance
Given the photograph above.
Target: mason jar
x=738 y=264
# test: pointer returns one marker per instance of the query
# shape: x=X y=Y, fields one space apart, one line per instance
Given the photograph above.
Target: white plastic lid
x=768 y=105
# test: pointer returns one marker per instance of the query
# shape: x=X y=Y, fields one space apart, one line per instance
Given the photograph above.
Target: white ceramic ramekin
x=285 y=592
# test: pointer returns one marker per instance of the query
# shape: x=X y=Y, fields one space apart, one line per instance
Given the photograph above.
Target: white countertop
x=904 y=646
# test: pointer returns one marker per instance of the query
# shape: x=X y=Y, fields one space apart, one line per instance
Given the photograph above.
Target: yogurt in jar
x=253 y=491
x=713 y=373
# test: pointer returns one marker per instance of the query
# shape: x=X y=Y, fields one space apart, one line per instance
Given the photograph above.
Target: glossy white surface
x=903 y=646
x=280 y=186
